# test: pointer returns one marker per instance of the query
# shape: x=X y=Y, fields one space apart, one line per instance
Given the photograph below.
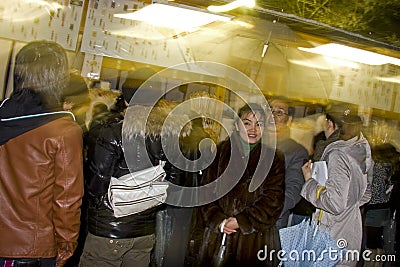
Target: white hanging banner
x=53 y=20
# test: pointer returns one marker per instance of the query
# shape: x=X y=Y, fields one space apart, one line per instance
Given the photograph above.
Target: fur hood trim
x=150 y=121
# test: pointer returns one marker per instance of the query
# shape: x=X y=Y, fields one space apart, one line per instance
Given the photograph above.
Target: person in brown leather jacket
x=41 y=163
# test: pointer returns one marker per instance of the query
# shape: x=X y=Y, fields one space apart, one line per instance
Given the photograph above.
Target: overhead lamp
x=232 y=5
x=179 y=17
x=351 y=54
x=308 y=63
x=322 y=65
x=393 y=79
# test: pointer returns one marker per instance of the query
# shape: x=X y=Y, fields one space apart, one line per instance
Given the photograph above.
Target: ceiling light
x=332 y=63
x=179 y=17
x=352 y=54
x=309 y=63
x=342 y=63
x=393 y=79
x=233 y=5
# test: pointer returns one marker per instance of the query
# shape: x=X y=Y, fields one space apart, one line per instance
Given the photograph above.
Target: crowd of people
x=56 y=170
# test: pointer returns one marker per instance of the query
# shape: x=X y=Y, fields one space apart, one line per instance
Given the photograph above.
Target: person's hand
x=64 y=252
x=227 y=226
x=232 y=223
x=306 y=169
x=62 y=258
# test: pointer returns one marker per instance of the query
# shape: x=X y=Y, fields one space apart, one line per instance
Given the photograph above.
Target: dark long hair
x=252 y=107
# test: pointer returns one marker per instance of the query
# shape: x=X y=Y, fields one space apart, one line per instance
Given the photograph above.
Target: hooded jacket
x=303 y=207
x=25 y=111
x=41 y=180
x=349 y=172
x=143 y=135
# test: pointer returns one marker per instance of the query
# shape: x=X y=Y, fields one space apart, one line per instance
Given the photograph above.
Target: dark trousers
x=39 y=262
x=124 y=252
x=176 y=246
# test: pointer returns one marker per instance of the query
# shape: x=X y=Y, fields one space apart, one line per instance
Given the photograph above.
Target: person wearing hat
x=347 y=188
x=128 y=240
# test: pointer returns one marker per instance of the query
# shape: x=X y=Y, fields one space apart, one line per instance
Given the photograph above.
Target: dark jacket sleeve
x=294 y=179
x=107 y=153
x=266 y=209
x=212 y=212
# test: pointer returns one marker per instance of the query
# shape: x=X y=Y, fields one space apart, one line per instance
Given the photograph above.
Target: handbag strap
x=221 y=228
x=318 y=193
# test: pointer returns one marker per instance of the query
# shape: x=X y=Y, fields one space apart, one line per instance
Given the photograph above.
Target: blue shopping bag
x=306 y=244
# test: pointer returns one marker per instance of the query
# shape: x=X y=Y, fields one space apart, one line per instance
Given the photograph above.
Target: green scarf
x=247 y=148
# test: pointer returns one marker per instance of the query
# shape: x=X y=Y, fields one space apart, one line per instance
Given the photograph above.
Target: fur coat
x=256 y=212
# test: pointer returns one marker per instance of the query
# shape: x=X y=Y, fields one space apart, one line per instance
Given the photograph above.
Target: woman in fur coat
x=247 y=218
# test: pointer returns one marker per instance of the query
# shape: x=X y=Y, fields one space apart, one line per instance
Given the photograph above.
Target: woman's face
x=251 y=128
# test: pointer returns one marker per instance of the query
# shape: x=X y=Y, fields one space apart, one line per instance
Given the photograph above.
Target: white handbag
x=138 y=191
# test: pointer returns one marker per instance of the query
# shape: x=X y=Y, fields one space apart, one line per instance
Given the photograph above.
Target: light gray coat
x=347 y=188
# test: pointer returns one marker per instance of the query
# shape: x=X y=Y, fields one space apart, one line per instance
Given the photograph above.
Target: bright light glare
x=352 y=54
x=232 y=5
x=322 y=64
x=172 y=17
x=310 y=64
x=51 y=4
x=342 y=63
x=31 y=9
x=243 y=24
x=394 y=79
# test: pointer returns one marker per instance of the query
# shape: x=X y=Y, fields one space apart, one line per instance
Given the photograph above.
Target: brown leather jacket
x=41 y=188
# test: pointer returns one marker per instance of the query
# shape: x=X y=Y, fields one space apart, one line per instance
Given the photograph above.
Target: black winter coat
x=143 y=148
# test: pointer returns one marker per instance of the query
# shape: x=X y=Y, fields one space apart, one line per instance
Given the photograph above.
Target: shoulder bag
x=138 y=191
